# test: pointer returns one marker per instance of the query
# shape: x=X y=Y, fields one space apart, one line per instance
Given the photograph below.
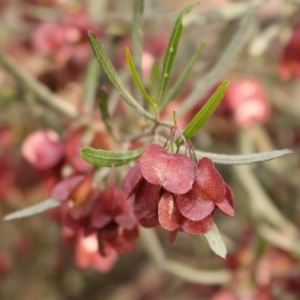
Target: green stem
x=174 y=91
x=155 y=250
x=228 y=55
x=197 y=276
x=260 y=203
x=43 y=93
x=224 y=13
x=115 y=79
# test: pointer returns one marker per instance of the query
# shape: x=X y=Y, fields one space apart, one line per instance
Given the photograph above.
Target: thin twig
x=227 y=13
x=279 y=239
x=262 y=41
x=137 y=35
x=281 y=100
x=231 y=51
x=41 y=91
x=154 y=249
x=152 y=245
x=260 y=202
x=196 y=276
x=222 y=14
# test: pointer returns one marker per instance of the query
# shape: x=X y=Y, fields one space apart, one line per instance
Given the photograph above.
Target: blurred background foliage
x=47 y=42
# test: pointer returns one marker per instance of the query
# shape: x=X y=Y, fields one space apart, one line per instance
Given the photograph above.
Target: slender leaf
x=104 y=158
x=33 y=209
x=243 y=159
x=177 y=87
x=155 y=80
x=215 y=241
x=206 y=111
x=172 y=50
x=139 y=82
x=238 y=159
x=114 y=77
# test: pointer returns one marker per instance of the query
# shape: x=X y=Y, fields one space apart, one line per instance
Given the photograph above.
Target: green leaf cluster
x=156 y=102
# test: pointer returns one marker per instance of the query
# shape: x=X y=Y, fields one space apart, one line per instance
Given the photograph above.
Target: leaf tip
x=288 y=151
x=83 y=152
x=33 y=210
x=83 y=149
x=90 y=33
x=6 y=219
x=11 y=216
x=215 y=242
x=226 y=83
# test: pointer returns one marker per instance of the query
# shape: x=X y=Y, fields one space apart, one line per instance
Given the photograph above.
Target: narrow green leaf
x=177 y=87
x=33 y=209
x=114 y=77
x=206 y=111
x=139 y=82
x=215 y=241
x=155 y=80
x=172 y=50
x=243 y=159
x=104 y=158
x=103 y=105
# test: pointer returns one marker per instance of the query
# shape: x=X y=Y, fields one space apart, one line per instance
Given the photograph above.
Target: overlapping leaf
x=174 y=172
